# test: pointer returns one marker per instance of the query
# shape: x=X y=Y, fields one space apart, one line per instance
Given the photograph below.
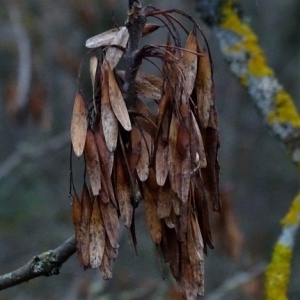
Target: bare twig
x=45 y=264
x=24 y=65
x=236 y=281
x=135 y=23
x=26 y=152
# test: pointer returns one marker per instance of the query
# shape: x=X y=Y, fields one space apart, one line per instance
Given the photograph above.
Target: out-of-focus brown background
x=258 y=179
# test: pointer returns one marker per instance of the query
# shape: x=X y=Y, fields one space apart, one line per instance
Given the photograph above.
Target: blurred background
x=41 y=47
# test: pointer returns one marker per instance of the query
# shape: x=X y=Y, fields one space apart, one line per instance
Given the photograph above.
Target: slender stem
x=45 y=264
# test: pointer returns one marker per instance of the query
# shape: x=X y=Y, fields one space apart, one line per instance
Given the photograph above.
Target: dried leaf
x=154 y=223
x=189 y=63
x=195 y=254
x=78 y=124
x=197 y=146
x=93 y=162
x=176 y=203
x=97 y=236
x=104 y=195
x=76 y=210
x=106 y=165
x=106 y=267
x=204 y=88
x=184 y=161
x=187 y=282
x=102 y=39
x=117 y=102
x=111 y=223
x=85 y=225
x=145 y=88
x=170 y=249
x=146 y=124
x=202 y=211
x=173 y=166
x=164 y=201
x=122 y=191
x=181 y=222
x=108 y=118
x=154 y=80
x=165 y=108
x=93 y=70
x=141 y=108
x=106 y=157
x=146 y=85
x=142 y=166
x=111 y=251
x=161 y=161
x=149 y=28
x=114 y=54
x=197 y=237
x=135 y=148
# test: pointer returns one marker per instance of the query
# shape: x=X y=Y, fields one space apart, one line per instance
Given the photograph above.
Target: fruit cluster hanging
x=160 y=148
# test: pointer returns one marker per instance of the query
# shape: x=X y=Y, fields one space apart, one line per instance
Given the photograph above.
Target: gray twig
x=236 y=281
x=25 y=152
x=45 y=264
x=24 y=65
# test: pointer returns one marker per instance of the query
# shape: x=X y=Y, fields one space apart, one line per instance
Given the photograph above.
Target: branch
x=236 y=281
x=23 y=43
x=279 y=269
x=246 y=60
x=135 y=23
x=239 y=46
x=45 y=264
x=27 y=152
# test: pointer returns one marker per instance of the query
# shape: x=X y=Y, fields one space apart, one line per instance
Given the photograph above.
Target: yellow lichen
x=278 y=273
x=257 y=65
x=285 y=110
x=292 y=217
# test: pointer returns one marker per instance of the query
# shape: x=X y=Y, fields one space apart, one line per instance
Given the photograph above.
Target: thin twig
x=28 y=152
x=45 y=264
x=24 y=64
x=236 y=281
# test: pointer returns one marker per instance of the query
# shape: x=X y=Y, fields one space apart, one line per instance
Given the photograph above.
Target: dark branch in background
x=45 y=264
x=135 y=23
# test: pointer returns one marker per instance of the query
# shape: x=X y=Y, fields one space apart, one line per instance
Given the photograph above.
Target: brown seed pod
x=78 y=125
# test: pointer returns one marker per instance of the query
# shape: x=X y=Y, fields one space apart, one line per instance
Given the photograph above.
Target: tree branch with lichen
x=45 y=264
x=240 y=48
x=279 y=269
